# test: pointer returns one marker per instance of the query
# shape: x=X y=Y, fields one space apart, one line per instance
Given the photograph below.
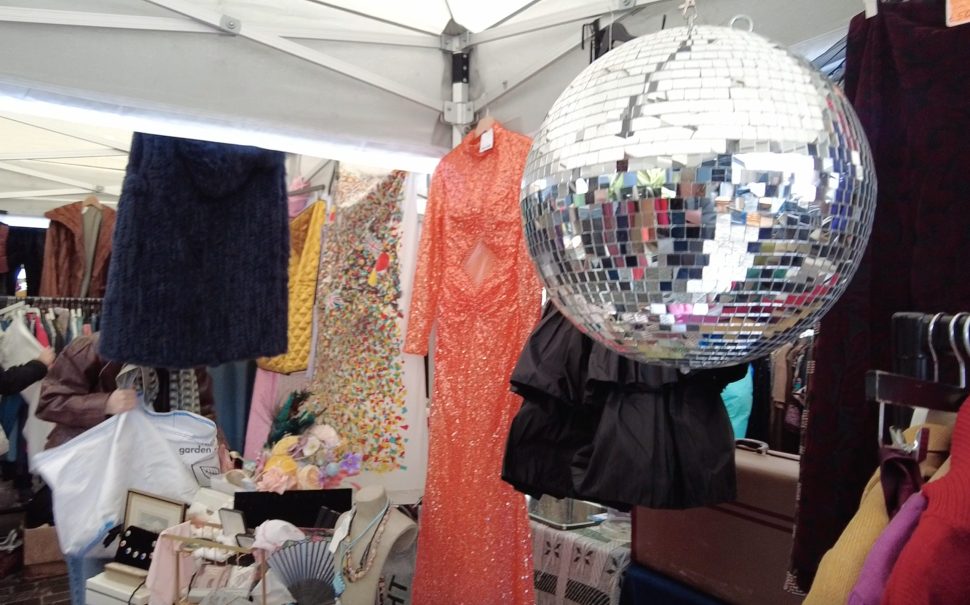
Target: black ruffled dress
x=597 y=426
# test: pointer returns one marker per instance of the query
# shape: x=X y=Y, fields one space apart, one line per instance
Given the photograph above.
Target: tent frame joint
x=230 y=25
x=460 y=112
x=456 y=43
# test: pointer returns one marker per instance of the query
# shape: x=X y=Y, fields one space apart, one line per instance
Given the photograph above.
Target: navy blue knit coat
x=198 y=271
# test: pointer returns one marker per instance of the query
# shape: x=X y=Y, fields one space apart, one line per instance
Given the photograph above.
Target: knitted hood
x=219 y=170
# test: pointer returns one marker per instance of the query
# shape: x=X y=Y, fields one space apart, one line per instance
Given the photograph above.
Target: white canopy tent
x=362 y=82
x=46 y=162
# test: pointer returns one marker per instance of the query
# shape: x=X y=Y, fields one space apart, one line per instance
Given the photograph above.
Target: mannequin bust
x=398 y=535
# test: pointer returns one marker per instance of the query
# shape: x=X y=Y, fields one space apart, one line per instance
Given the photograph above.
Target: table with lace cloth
x=578 y=567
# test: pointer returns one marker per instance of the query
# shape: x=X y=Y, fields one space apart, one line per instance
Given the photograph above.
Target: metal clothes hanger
x=920 y=445
x=956 y=349
x=888 y=388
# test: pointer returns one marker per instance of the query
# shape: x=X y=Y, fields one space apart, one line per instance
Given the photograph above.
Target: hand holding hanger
x=121 y=401
x=46 y=357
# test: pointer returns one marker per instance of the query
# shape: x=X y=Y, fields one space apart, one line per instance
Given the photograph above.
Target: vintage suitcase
x=737 y=552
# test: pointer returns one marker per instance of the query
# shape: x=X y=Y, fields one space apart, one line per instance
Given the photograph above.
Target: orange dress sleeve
x=427 y=276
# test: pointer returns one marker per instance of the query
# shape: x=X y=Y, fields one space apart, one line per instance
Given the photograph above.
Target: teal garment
x=738 y=397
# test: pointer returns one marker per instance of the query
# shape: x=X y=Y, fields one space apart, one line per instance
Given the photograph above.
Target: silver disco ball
x=698 y=198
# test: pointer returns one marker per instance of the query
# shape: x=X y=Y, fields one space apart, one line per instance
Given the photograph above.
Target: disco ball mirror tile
x=697 y=199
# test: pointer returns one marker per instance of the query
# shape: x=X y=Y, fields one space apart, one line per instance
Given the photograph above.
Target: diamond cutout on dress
x=479 y=264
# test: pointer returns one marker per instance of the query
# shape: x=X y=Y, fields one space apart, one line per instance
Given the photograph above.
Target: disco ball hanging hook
x=689 y=10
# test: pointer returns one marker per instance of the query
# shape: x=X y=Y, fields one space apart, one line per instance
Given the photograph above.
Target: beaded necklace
x=343 y=568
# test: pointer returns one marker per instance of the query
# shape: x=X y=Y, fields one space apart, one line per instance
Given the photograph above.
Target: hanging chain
x=689 y=10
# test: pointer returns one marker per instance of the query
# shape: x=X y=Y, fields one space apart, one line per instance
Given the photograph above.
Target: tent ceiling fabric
x=300 y=75
x=46 y=163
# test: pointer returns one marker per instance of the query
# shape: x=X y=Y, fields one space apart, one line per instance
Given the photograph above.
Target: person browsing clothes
x=82 y=390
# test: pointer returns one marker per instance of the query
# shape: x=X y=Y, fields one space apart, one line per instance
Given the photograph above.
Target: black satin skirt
x=600 y=427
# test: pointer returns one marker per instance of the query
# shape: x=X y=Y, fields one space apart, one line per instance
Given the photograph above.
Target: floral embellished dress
x=476 y=284
x=358 y=381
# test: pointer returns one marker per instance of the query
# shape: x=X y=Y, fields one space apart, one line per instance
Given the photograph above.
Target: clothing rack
x=912 y=349
x=60 y=320
x=56 y=301
x=921 y=343
x=306 y=190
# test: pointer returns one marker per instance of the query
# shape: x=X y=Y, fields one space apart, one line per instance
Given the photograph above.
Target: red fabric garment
x=934 y=566
x=900 y=477
x=476 y=284
x=908 y=78
x=40 y=333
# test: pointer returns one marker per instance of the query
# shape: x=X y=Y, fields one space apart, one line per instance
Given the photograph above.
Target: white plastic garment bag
x=194 y=438
x=17 y=347
x=91 y=474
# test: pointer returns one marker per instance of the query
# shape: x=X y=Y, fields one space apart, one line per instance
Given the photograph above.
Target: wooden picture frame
x=151 y=512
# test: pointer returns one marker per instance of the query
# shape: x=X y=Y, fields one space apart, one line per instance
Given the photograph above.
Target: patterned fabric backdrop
x=582 y=567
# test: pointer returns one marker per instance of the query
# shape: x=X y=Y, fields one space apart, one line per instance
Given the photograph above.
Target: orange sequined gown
x=476 y=284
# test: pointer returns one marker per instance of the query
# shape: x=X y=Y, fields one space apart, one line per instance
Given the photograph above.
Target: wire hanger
x=956 y=349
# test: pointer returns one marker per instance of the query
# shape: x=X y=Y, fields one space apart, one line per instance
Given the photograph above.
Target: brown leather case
x=737 y=552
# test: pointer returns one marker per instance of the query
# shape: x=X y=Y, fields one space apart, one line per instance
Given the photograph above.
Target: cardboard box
x=42 y=554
